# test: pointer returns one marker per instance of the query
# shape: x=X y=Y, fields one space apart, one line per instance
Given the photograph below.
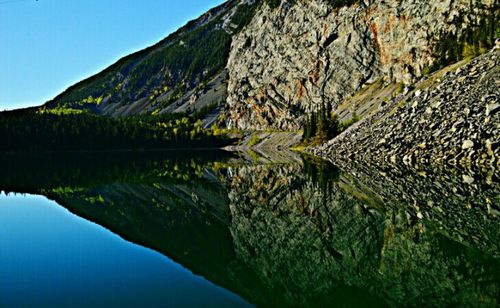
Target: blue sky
x=48 y=45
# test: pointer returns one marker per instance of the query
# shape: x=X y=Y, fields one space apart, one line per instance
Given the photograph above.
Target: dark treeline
x=478 y=38
x=29 y=131
x=31 y=173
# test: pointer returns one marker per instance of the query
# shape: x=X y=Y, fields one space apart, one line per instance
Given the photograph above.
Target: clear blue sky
x=48 y=45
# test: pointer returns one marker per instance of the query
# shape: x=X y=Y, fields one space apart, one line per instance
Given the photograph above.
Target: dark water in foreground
x=158 y=229
x=51 y=257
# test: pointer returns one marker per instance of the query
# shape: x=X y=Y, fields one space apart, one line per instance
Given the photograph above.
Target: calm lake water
x=51 y=257
x=159 y=229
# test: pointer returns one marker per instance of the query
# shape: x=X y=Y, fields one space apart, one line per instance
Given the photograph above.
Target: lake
x=51 y=257
x=212 y=229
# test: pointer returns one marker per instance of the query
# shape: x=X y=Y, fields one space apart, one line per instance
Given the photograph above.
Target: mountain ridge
x=253 y=58
x=160 y=69
x=270 y=64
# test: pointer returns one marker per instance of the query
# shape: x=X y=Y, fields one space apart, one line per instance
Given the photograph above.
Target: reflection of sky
x=49 y=256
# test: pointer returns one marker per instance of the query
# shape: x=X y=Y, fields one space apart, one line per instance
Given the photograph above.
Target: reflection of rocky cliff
x=310 y=244
x=299 y=234
x=458 y=204
x=300 y=240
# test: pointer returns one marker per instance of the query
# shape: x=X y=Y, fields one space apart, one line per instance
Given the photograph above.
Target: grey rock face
x=290 y=60
x=451 y=122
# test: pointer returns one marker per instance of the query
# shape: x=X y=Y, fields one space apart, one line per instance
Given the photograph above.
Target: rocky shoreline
x=266 y=147
x=450 y=118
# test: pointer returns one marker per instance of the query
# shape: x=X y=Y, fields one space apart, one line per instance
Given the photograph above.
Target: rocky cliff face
x=453 y=117
x=291 y=59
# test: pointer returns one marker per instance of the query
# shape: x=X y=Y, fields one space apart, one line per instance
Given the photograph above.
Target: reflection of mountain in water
x=294 y=234
x=305 y=241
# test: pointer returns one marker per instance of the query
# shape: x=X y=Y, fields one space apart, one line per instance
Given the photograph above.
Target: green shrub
x=477 y=39
x=341 y=3
x=348 y=123
x=255 y=140
x=401 y=87
x=273 y=3
x=324 y=125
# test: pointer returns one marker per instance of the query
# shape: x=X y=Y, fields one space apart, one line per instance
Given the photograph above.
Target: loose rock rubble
x=454 y=121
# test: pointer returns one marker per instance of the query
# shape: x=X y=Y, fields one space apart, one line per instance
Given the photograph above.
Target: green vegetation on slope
x=324 y=125
x=180 y=62
x=478 y=39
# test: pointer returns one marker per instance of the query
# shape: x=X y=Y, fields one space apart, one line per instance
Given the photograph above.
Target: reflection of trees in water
x=288 y=234
x=30 y=173
x=322 y=174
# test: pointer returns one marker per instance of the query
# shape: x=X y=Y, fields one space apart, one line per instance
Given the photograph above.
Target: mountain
x=163 y=78
x=291 y=60
x=271 y=63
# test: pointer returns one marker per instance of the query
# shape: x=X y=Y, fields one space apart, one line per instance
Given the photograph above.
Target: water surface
x=187 y=229
x=51 y=257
